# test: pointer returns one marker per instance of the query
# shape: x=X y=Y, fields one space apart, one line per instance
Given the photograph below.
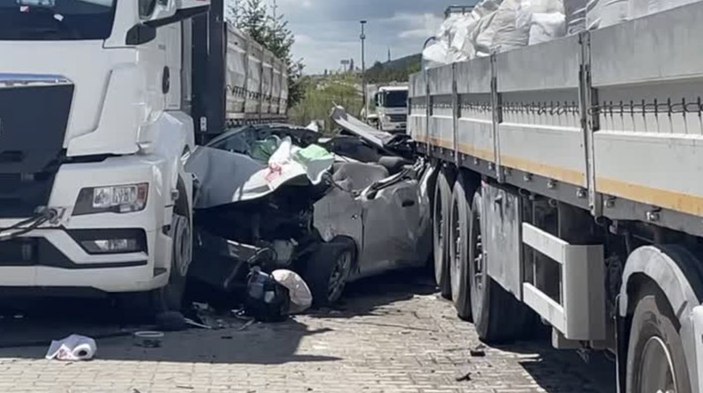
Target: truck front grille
x=399 y=118
x=33 y=120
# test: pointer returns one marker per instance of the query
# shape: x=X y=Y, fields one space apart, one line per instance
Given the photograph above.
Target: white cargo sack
x=543 y=20
x=72 y=348
x=640 y=8
x=508 y=33
x=575 y=12
x=300 y=295
x=546 y=27
x=604 y=13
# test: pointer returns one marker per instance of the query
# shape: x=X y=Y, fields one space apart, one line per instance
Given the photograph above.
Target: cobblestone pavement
x=393 y=335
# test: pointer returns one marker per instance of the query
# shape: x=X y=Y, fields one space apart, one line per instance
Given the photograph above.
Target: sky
x=327 y=31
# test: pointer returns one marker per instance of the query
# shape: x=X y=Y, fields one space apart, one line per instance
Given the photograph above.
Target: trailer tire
x=655 y=354
x=498 y=316
x=458 y=248
x=332 y=261
x=440 y=233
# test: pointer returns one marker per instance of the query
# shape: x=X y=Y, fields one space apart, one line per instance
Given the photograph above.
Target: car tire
x=458 y=248
x=328 y=270
x=498 y=317
x=440 y=233
x=170 y=297
x=655 y=350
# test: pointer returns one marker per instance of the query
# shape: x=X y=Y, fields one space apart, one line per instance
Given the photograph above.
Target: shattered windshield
x=396 y=99
x=56 y=19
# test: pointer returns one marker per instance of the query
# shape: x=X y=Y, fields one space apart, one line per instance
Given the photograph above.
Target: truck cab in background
x=94 y=126
x=392 y=108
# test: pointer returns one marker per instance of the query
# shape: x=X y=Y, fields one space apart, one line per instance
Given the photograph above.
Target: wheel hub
x=456 y=260
x=182 y=247
x=656 y=368
x=339 y=275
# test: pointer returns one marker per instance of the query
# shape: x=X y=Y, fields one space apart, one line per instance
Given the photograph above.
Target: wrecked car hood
x=357 y=127
x=224 y=177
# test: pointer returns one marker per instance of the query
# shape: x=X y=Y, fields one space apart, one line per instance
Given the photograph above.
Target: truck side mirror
x=158 y=13
x=377 y=99
x=172 y=11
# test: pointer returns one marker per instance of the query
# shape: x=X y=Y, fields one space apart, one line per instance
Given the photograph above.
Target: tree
x=272 y=32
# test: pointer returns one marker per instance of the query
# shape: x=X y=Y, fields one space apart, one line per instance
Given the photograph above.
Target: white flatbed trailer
x=569 y=186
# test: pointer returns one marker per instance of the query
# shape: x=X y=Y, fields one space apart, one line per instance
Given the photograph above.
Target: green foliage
x=254 y=18
x=322 y=93
x=394 y=71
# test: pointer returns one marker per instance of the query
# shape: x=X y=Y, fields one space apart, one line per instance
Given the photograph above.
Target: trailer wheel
x=498 y=316
x=655 y=356
x=440 y=231
x=328 y=270
x=459 y=250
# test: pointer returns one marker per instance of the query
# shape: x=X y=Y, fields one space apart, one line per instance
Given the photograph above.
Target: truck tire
x=328 y=270
x=440 y=231
x=498 y=316
x=458 y=248
x=655 y=356
x=147 y=305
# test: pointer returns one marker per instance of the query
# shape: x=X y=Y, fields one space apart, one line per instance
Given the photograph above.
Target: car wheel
x=458 y=249
x=440 y=231
x=498 y=316
x=655 y=356
x=328 y=270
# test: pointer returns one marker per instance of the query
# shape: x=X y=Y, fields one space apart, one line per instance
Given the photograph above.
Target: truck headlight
x=112 y=199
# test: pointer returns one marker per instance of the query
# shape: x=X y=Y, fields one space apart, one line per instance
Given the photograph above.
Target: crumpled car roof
x=225 y=177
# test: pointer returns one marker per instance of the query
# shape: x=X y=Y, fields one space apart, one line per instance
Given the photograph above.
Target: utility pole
x=363 y=68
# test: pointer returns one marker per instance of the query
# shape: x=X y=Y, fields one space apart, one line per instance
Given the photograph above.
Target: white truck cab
x=392 y=108
x=93 y=131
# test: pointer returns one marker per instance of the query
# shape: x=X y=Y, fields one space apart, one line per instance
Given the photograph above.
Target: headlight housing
x=112 y=199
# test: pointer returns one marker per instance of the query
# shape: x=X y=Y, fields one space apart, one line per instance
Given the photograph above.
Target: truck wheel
x=458 y=249
x=655 y=357
x=440 y=231
x=328 y=270
x=170 y=297
x=498 y=316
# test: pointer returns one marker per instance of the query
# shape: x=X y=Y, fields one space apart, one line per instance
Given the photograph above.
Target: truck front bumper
x=58 y=258
x=59 y=254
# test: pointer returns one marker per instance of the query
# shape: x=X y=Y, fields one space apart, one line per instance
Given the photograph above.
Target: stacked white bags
x=496 y=25
x=501 y=25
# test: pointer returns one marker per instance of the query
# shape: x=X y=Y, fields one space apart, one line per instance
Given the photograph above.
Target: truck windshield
x=396 y=99
x=56 y=19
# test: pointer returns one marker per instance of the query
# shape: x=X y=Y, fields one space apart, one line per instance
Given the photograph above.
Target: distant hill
x=397 y=70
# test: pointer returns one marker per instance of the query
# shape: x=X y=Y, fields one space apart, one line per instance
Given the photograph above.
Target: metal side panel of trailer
x=235 y=80
x=609 y=120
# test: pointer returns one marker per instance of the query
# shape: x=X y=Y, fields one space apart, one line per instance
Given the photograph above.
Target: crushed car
x=332 y=209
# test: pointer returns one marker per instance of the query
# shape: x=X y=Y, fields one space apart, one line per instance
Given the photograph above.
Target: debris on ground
x=72 y=348
x=266 y=299
x=300 y=295
x=478 y=351
x=246 y=325
x=148 y=339
x=192 y=323
x=464 y=377
x=171 y=321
